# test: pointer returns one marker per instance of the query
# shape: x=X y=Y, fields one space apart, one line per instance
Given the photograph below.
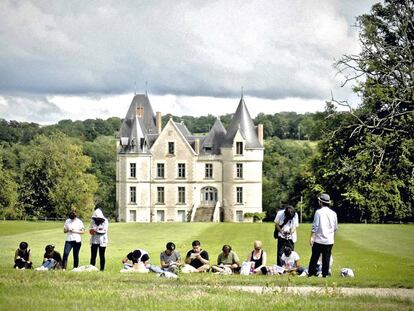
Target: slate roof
x=242 y=121
x=214 y=139
x=135 y=128
x=138 y=134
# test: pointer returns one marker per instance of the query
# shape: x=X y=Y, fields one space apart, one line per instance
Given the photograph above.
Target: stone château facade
x=169 y=174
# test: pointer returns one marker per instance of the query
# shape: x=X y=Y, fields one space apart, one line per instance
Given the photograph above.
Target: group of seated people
x=196 y=260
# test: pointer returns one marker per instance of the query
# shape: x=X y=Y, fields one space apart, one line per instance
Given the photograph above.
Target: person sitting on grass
x=319 y=267
x=23 y=257
x=257 y=258
x=227 y=261
x=291 y=261
x=51 y=259
x=137 y=260
x=170 y=258
x=197 y=259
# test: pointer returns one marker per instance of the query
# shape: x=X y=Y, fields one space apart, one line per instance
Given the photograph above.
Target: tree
x=102 y=151
x=366 y=162
x=8 y=191
x=55 y=178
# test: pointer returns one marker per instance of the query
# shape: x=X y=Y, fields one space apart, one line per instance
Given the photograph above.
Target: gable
x=170 y=133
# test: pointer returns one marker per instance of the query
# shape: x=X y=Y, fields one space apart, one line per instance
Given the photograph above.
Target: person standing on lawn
x=98 y=229
x=325 y=223
x=286 y=222
x=73 y=228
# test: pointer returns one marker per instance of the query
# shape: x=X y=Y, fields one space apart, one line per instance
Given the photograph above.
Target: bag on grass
x=347 y=272
x=245 y=268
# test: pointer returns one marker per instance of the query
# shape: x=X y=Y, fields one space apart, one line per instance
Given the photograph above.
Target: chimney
x=197 y=146
x=260 y=133
x=158 y=121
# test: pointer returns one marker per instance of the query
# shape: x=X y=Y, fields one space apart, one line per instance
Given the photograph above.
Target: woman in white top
x=98 y=229
x=73 y=228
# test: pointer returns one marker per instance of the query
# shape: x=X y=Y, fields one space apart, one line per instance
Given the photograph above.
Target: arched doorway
x=208 y=196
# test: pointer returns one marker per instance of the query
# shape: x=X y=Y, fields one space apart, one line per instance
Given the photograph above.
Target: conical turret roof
x=139 y=122
x=242 y=121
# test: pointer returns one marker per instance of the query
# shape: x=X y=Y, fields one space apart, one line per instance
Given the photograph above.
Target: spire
x=242 y=122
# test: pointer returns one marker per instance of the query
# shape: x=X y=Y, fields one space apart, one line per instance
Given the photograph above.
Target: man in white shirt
x=286 y=222
x=325 y=223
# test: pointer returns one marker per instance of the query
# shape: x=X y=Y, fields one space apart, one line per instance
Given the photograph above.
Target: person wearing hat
x=23 y=257
x=51 y=259
x=98 y=229
x=137 y=260
x=325 y=223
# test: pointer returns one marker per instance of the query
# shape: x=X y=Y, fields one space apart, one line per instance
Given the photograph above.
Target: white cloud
x=277 y=50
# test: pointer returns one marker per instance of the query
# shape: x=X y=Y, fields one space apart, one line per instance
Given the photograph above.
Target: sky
x=86 y=59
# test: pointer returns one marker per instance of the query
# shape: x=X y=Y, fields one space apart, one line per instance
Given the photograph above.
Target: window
x=133 y=216
x=181 y=195
x=239 y=191
x=133 y=194
x=239 y=216
x=140 y=112
x=160 y=170
x=239 y=170
x=171 y=148
x=181 y=170
x=132 y=170
x=181 y=215
x=239 y=147
x=209 y=170
x=160 y=216
x=160 y=195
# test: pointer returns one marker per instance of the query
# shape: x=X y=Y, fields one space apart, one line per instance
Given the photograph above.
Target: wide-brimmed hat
x=325 y=198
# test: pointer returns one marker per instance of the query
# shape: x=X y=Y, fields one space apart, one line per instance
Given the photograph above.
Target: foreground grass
x=380 y=255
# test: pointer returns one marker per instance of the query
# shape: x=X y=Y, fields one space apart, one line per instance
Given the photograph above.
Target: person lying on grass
x=227 y=262
x=23 y=257
x=137 y=260
x=197 y=259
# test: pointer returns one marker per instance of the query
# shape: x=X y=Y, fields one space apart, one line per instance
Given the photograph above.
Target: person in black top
x=257 y=257
x=197 y=258
x=23 y=257
x=51 y=259
x=135 y=257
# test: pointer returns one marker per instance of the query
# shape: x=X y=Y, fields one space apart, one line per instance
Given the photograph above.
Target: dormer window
x=142 y=143
x=140 y=112
x=239 y=148
x=171 y=148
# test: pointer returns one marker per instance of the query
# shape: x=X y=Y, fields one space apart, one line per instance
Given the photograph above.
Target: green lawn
x=380 y=255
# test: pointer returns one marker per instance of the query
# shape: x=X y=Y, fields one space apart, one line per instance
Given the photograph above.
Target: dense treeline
x=364 y=157
x=38 y=164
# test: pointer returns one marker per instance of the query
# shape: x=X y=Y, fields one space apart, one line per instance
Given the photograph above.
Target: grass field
x=380 y=255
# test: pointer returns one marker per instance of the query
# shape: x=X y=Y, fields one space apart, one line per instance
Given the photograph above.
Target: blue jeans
x=68 y=247
x=49 y=264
